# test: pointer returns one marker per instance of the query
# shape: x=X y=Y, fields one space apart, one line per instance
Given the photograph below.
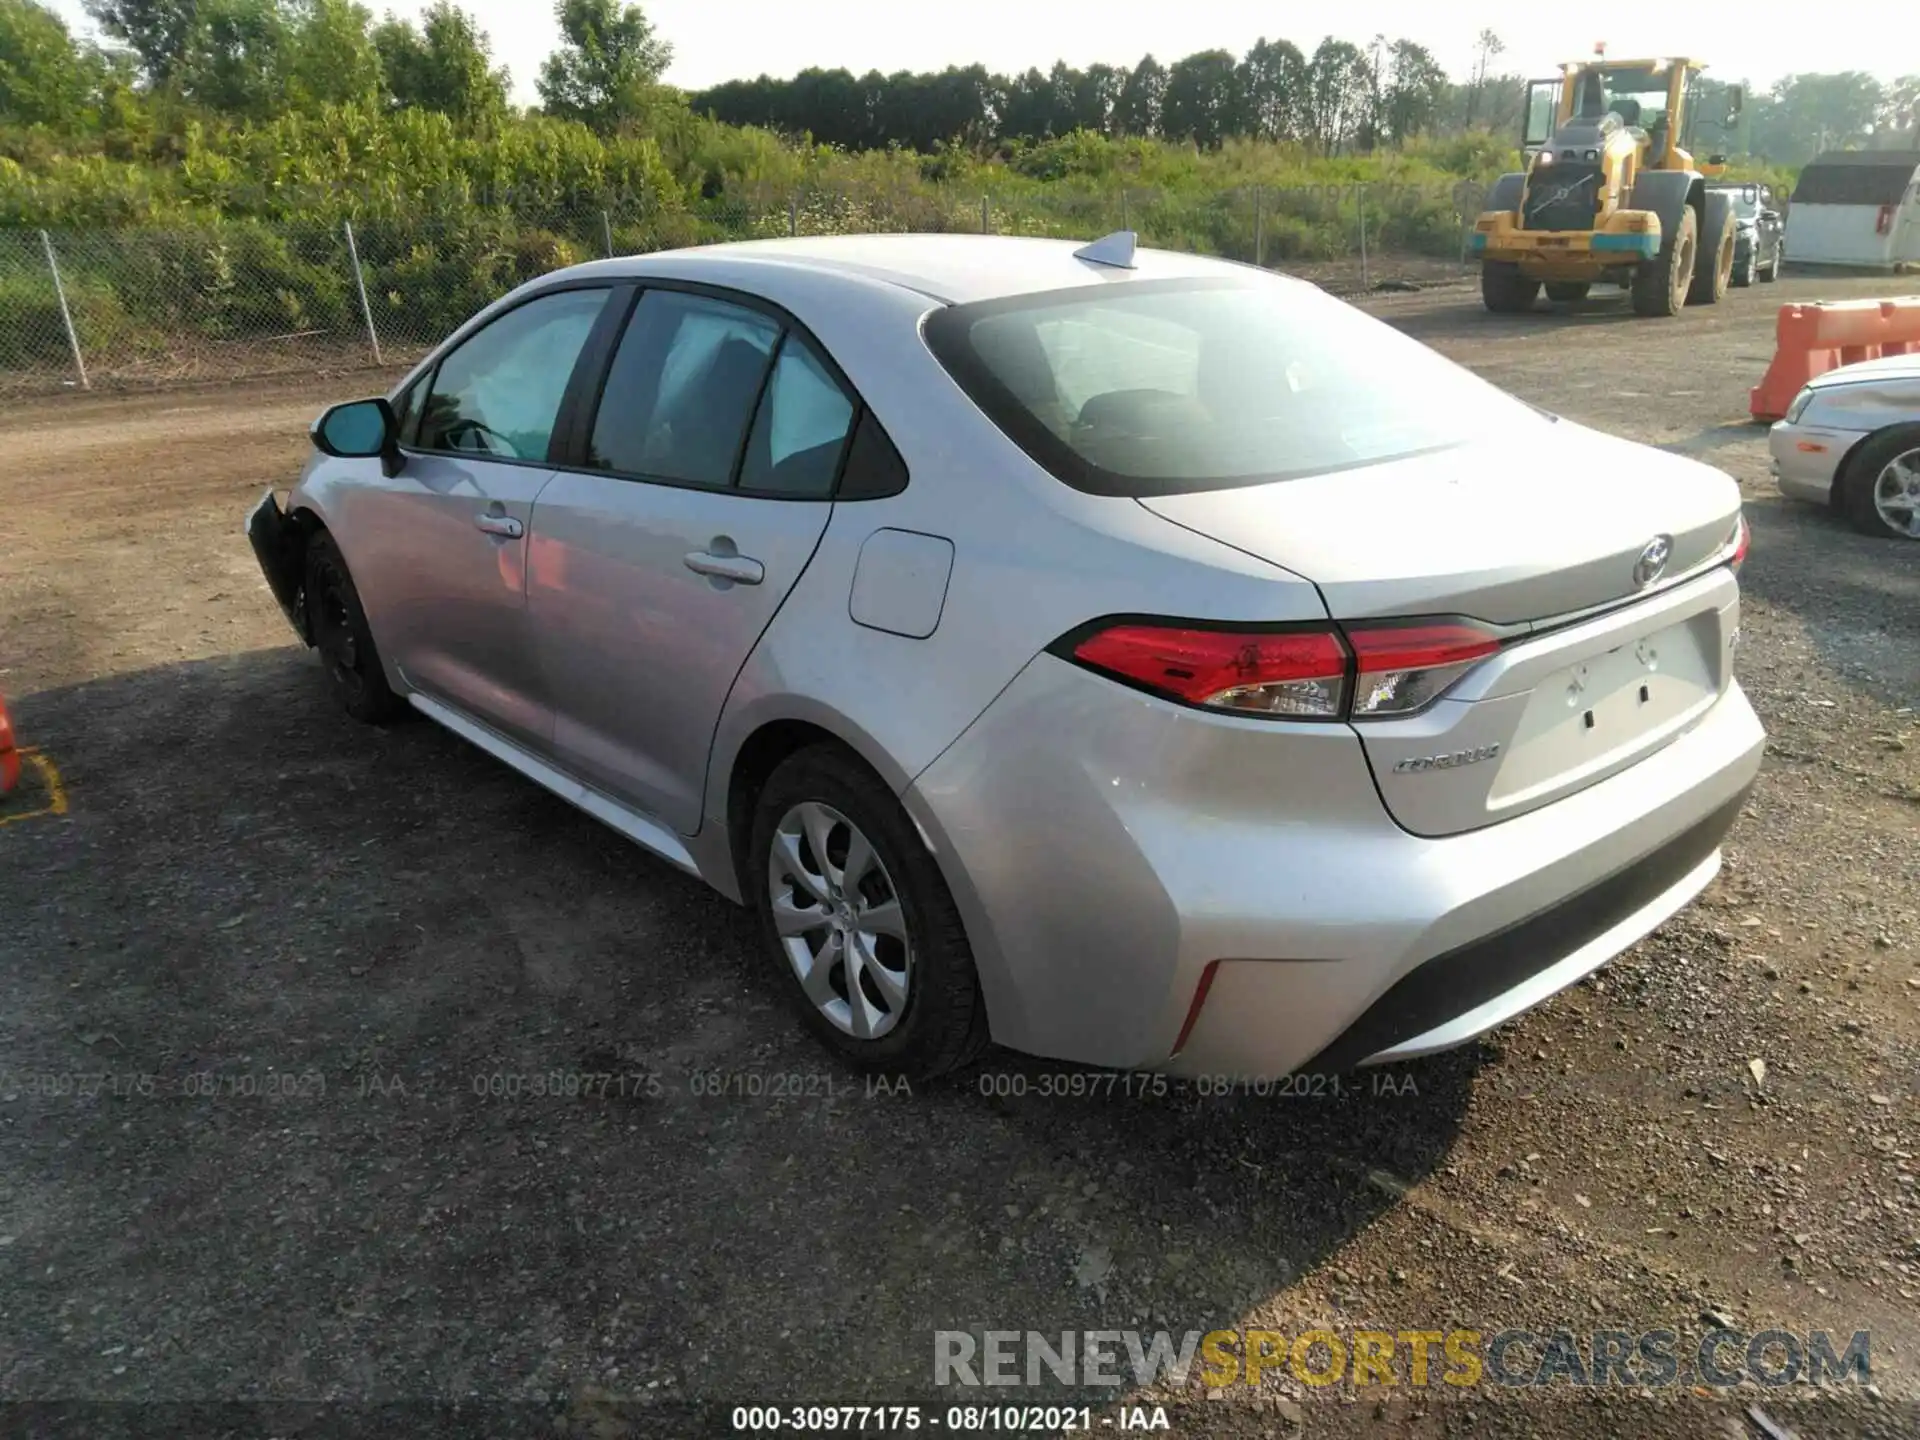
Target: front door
x=654 y=572
x=449 y=541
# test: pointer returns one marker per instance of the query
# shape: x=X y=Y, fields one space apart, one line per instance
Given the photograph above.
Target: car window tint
x=800 y=429
x=1115 y=350
x=682 y=389
x=499 y=393
x=1176 y=386
x=405 y=409
x=874 y=467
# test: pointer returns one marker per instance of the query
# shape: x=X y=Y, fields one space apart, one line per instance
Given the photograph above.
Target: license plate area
x=1607 y=709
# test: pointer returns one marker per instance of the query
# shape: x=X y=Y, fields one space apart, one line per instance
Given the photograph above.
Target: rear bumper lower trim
x=1457 y=995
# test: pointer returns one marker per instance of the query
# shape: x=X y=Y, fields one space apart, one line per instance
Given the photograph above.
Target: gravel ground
x=264 y=985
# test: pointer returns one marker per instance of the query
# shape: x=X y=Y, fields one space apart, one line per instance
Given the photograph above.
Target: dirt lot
x=259 y=977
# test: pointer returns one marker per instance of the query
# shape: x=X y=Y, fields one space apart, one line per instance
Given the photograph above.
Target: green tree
x=1137 y=112
x=1030 y=108
x=445 y=64
x=1202 y=102
x=1339 y=87
x=1904 y=98
x=1487 y=46
x=1805 y=114
x=43 y=74
x=607 y=70
x=236 y=58
x=161 y=32
x=330 y=55
x=1273 y=90
x=1415 y=88
x=1096 y=96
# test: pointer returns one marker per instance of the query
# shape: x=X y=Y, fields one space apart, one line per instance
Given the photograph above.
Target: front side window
x=800 y=429
x=498 y=394
x=405 y=408
x=682 y=389
x=1159 y=388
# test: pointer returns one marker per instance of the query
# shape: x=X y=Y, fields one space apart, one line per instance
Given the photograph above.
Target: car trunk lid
x=1504 y=533
x=1551 y=546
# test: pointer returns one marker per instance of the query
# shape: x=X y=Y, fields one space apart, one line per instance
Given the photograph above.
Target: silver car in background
x=1851 y=440
x=1132 y=658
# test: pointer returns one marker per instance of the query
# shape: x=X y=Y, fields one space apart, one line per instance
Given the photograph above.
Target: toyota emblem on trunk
x=1652 y=563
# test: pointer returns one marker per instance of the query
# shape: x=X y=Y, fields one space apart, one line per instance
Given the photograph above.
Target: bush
x=35 y=335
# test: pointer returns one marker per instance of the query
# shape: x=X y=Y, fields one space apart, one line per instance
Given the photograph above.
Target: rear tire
x=1660 y=284
x=1717 y=244
x=1880 y=475
x=338 y=625
x=1567 y=292
x=1505 y=290
x=908 y=979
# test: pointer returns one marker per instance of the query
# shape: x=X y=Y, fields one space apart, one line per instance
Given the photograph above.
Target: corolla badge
x=1421 y=764
x=1652 y=563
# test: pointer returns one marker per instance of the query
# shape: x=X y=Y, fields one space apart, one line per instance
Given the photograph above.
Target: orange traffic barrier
x=9 y=751
x=1810 y=340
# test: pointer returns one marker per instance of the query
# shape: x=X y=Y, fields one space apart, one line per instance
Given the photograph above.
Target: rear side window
x=801 y=428
x=682 y=389
x=498 y=394
x=874 y=467
x=1163 y=387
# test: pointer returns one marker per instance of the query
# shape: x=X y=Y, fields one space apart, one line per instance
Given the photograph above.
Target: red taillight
x=1405 y=667
x=1297 y=673
x=1303 y=674
x=1742 y=542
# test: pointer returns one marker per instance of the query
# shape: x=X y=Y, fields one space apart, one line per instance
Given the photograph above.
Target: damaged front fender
x=280 y=545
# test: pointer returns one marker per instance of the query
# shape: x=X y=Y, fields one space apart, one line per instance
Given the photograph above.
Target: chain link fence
x=84 y=309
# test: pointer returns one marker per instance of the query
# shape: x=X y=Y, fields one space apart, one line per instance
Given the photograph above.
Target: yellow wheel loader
x=1609 y=194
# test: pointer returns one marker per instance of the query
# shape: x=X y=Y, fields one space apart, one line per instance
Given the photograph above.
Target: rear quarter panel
x=1032 y=559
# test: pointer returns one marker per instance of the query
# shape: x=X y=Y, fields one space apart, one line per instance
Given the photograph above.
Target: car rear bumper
x=1109 y=850
x=277 y=545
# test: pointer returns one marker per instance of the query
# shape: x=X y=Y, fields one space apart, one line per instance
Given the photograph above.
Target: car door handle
x=740 y=569
x=505 y=525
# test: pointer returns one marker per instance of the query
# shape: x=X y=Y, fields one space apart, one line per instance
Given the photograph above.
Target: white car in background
x=1851 y=439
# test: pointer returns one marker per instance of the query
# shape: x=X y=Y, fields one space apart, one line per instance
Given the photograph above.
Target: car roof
x=954 y=269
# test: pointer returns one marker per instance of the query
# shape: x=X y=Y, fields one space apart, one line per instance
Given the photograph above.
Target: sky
x=717 y=40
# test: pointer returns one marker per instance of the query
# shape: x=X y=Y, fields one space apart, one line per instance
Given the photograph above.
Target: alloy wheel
x=840 y=922
x=1896 y=494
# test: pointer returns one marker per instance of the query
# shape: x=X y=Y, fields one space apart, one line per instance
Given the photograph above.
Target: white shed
x=1857 y=208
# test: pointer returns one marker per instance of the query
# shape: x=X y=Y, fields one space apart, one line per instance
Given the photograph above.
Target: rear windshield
x=1165 y=387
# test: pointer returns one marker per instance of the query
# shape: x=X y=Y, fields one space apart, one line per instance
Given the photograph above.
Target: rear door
x=440 y=550
x=705 y=482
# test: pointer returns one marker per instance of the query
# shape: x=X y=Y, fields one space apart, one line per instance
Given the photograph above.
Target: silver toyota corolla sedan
x=1131 y=658
x=1851 y=439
